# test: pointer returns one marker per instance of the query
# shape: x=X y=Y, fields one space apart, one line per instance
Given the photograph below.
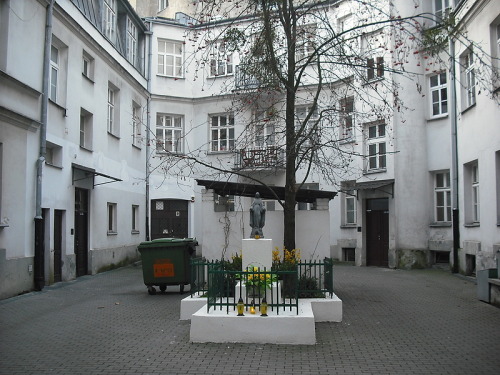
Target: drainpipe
x=39 y=260
x=148 y=126
x=454 y=158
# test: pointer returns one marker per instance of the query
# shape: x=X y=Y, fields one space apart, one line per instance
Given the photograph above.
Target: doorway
x=169 y=218
x=58 y=230
x=81 y=231
x=377 y=232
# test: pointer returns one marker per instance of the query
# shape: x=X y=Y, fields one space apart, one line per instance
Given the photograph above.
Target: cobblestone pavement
x=395 y=322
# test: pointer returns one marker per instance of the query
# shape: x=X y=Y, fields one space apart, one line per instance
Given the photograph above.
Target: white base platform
x=285 y=328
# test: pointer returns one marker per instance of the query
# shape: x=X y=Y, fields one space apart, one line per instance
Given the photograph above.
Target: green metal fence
x=223 y=287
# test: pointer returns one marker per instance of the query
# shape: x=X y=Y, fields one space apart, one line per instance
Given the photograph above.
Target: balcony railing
x=265 y=158
x=251 y=77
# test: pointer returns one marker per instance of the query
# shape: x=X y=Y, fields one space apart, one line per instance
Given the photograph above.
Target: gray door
x=377 y=232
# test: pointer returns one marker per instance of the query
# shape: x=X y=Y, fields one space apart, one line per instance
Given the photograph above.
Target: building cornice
x=16 y=119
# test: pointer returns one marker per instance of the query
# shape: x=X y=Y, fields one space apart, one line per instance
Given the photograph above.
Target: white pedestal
x=257 y=253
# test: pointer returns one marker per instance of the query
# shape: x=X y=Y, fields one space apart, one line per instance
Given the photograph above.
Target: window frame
x=442 y=197
x=264 y=135
x=86 y=129
x=350 y=196
x=375 y=68
x=219 y=57
x=440 y=88
x=54 y=72
x=475 y=198
x=443 y=9
x=132 y=41
x=112 y=215
x=346 y=117
x=113 y=110
x=136 y=125
x=177 y=67
x=311 y=135
x=110 y=19
x=228 y=128
x=306 y=41
x=173 y=130
x=224 y=203
x=88 y=65
x=135 y=219
x=379 y=157
x=468 y=79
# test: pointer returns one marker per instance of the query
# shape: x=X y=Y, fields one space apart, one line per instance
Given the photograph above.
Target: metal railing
x=223 y=287
x=269 y=157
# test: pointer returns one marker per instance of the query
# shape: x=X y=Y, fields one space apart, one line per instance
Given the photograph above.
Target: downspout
x=454 y=158
x=148 y=127
x=39 y=260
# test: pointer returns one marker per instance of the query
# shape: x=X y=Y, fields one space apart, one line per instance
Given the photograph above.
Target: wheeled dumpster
x=165 y=261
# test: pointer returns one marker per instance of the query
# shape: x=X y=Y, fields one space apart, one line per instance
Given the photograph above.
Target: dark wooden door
x=169 y=219
x=81 y=231
x=58 y=216
x=377 y=232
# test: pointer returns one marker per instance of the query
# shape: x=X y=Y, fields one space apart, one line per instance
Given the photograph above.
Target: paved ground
x=395 y=322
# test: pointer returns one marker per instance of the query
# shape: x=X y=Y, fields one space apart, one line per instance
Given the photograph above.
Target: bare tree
x=311 y=71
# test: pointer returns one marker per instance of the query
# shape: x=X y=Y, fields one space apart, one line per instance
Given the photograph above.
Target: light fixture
x=252 y=308
x=263 y=307
x=240 y=307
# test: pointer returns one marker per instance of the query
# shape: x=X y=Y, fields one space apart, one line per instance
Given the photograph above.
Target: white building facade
x=90 y=197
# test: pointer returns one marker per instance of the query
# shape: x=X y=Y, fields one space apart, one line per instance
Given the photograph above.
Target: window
x=113 y=112
x=223 y=204
x=305 y=45
x=468 y=79
x=131 y=41
x=350 y=207
x=439 y=94
x=221 y=61
x=495 y=52
x=375 y=68
x=346 y=119
x=162 y=4
x=170 y=58
x=53 y=155
x=86 y=119
x=110 y=19
x=87 y=65
x=54 y=72
x=442 y=9
x=475 y=194
x=112 y=216
x=471 y=193
x=376 y=147
x=264 y=135
x=136 y=124
x=308 y=134
x=169 y=133
x=442 y=197
x=135 y=219
x=222 y=132
x=343 y=23
x=305 y=206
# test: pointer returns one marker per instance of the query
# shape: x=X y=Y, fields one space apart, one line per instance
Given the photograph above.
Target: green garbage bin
x=165 y=261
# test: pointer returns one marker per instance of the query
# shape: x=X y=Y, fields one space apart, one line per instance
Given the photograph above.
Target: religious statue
x=257 y=217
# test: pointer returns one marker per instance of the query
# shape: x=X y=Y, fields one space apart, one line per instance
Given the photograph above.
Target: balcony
x=251 y=77
x=259 y=159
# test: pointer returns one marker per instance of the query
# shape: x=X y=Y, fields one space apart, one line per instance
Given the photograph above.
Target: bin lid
x=167 y=242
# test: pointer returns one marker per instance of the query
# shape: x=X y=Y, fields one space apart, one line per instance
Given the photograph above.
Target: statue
x=257 y=217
